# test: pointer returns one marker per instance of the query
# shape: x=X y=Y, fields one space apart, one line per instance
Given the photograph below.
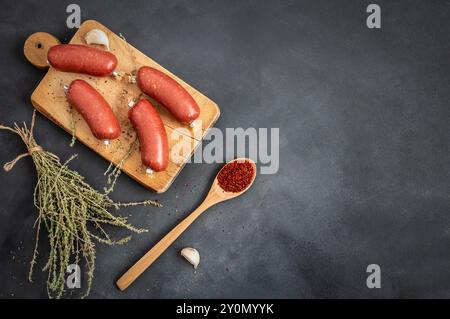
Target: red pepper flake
x=236 y=176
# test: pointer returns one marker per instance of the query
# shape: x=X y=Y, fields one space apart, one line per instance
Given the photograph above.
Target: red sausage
x=94 y=109
x=151 y=134
x=81 y=59
x=169 y=93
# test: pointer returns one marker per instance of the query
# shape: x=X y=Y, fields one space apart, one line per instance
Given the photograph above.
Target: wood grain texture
x=36 y=47
x=49 y=98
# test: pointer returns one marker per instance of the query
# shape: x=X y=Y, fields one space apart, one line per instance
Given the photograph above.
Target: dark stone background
x=364 y=142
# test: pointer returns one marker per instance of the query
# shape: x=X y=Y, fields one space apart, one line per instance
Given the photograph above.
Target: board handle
x=36 y=48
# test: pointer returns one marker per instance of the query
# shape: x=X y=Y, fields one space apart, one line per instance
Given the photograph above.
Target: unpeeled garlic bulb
x=191 y=255
x=97 y=36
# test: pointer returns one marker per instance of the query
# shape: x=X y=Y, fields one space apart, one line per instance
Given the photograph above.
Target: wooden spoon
x=215 y=195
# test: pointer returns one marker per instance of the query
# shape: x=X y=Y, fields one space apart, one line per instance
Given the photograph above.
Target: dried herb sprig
x=73 y=213
x=113 y=171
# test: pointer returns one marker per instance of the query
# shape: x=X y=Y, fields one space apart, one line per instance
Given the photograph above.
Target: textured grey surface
x=364 y=142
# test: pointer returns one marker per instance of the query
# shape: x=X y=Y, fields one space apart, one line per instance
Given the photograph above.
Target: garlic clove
x=191 y=255
x=97 y=36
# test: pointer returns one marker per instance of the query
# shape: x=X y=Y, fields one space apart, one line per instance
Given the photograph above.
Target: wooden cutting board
x=49 y=99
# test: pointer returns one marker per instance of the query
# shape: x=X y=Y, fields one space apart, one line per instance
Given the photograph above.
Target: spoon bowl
x=215 y=195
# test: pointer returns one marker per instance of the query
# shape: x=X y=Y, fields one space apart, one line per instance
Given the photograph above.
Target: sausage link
x=94 y=109
x=82 y=59
x=151 y=134
x=169 y=93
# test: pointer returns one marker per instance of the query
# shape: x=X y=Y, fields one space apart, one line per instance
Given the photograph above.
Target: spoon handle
x=142 y=264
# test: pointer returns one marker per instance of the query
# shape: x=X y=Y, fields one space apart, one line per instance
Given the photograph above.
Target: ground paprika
x=236 y=176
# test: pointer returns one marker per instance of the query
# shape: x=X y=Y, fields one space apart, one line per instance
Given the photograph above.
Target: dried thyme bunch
x=71 y=210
